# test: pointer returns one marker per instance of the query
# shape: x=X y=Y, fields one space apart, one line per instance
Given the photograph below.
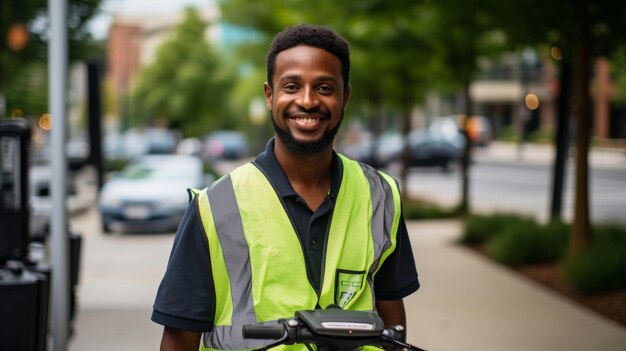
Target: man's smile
x=307 y=120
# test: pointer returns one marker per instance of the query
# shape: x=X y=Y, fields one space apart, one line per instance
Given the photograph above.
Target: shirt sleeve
x=397 y=277
x=186 y=296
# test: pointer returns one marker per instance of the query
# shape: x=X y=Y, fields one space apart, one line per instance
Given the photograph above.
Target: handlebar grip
x=258 y=331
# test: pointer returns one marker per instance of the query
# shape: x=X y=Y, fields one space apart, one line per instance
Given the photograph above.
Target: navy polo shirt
x=186 y=296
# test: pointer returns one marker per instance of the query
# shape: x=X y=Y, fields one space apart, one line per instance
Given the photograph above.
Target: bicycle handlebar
x=260 y=331
x=330 y=329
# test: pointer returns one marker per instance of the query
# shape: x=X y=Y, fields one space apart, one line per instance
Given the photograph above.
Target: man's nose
x=308 y=99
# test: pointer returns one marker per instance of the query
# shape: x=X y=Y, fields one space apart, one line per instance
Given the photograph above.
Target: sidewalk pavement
x=466 y=302
x=534 y=153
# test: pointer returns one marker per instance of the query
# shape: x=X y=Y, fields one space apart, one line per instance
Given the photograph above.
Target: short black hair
x=314 y=36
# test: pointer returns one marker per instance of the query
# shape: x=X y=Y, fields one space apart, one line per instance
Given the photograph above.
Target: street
x=523 y=186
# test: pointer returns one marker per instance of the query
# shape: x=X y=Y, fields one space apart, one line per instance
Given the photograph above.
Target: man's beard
x=306 y=148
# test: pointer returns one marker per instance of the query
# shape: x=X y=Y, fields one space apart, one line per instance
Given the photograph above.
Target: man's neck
x=309 y=175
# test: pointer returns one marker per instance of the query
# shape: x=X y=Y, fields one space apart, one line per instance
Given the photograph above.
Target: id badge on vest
x=347 y=285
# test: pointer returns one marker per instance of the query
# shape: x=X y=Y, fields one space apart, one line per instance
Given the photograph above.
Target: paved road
x=509 y=184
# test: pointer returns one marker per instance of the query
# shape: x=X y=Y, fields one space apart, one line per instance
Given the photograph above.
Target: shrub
x=559 y=229
x=600 y=268
x=423 y=210
x=114 y=165
x=541 y=136
x=479 y=229
x=609 y=234
x=529 y=244
x=508 y=134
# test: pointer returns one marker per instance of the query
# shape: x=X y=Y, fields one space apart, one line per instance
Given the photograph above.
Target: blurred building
x=501 y=88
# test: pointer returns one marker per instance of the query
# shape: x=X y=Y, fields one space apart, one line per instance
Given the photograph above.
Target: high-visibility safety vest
x=257 y=261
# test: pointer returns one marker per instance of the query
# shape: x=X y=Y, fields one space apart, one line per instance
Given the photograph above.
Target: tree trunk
x=561 y=141
x=581 y=228
x=464 y=205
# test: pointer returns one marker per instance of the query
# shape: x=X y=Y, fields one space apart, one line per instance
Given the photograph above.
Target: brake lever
x=275 y=343
x=391 y=335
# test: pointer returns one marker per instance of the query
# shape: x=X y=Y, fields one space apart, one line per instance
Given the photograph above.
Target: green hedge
x=480 y=229
x=529 y=244
x=601 y=267
x=609 y=234
x=541 y=136
x=114 y=165
x=415 y=209
x=516 y=240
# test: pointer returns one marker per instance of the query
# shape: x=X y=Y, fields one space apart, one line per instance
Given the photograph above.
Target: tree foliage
x=23 y=73
x=186 y=85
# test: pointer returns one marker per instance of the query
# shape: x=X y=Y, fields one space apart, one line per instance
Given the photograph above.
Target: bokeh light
x=45 y=121
x=532 y=101
x=17 y=37
x=556 y=53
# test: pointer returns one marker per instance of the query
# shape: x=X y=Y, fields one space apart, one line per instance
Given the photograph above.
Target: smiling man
x=300 y=227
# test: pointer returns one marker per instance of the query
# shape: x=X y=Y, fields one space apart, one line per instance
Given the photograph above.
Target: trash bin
x=24 y=296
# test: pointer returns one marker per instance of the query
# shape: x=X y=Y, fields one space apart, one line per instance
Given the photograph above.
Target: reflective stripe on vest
x=257 y=261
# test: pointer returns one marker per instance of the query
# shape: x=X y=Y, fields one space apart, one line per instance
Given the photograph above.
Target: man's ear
x=267 y=90
x=346 y=96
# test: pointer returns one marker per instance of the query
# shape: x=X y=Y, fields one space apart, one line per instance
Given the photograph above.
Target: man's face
x=307 y=98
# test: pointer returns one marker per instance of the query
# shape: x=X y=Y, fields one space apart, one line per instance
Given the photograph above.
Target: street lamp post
x=57 y=63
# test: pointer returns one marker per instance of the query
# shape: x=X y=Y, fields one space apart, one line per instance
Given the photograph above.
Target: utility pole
x=57 y=94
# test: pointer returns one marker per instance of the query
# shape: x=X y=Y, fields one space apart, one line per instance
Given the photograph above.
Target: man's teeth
x=306 y=120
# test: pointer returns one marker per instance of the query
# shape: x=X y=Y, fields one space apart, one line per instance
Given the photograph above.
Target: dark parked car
x=440 y=145
x=225 y=145
x=387 y=149
x=149 y=193
x=429 y=149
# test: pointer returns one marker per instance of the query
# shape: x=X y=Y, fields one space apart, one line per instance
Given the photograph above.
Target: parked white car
x=149 y=193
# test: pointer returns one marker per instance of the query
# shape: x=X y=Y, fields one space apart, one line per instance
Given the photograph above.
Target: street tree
x=24 y=30
x=464 y=32
x=582 y=30
x=187 y=85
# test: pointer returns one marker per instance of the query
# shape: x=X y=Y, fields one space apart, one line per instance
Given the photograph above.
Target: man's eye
x=290 y=87
x=325 y=89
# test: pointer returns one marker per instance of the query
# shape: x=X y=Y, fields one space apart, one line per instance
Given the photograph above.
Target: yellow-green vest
x=257 y=261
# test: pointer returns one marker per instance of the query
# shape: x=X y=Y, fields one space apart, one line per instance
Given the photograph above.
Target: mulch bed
x=609 y=304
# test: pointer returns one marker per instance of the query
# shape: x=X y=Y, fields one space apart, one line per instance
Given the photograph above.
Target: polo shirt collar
x=268 y=163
